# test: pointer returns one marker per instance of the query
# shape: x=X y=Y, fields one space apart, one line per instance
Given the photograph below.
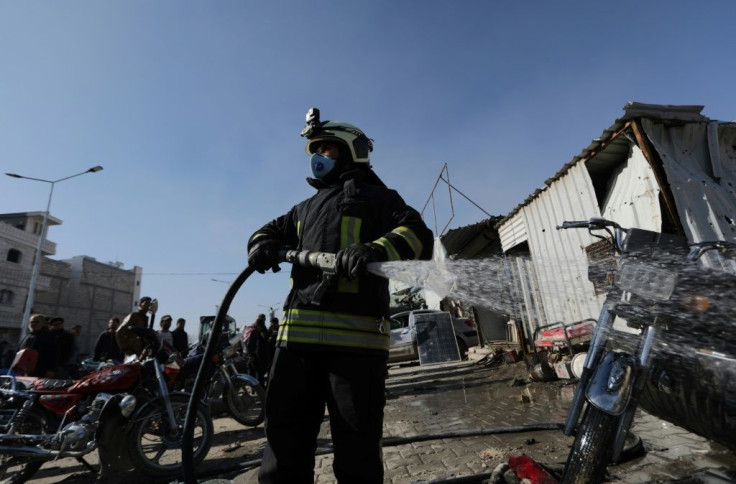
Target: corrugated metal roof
x=475 y=240
x=668 y=113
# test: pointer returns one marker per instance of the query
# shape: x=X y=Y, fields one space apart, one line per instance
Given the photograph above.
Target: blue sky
x=194 y=109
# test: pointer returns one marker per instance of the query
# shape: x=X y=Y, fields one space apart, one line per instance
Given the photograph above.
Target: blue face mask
x=321 y=165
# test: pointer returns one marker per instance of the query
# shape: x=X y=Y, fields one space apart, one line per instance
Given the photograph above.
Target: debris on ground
x=518 y=382
x=525 y=468
x=492 y=453
x=235 y=445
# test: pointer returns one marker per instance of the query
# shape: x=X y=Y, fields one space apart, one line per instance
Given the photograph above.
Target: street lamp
x=41 y=239
x=271 y=309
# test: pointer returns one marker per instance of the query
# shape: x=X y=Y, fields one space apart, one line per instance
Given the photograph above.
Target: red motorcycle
x=125 y=412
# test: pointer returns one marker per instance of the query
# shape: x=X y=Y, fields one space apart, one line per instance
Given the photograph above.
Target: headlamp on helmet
x=317 y=131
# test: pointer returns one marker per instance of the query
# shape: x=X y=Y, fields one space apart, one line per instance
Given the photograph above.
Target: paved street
x=444 y=422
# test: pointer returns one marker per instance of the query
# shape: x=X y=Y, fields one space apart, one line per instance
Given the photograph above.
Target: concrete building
x=19 y=233
x=81 y=290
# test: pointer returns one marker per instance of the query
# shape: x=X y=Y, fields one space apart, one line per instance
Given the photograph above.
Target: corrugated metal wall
x=557 y=288
x=512 y=233
x=566 y=293
x=633 y=198
x=700 y=162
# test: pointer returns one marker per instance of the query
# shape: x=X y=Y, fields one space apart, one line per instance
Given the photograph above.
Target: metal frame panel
x=700 y=164
x=435 y=334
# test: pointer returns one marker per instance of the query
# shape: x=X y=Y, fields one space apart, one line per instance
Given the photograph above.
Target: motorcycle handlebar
x=595 y=223
x=697 y=250
x=575 y=224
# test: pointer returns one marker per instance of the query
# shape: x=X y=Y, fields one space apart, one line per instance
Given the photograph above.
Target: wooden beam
x=657 y=165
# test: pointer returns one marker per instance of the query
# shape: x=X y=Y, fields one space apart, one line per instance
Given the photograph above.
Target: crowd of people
x=127 y=335
x=56 y=351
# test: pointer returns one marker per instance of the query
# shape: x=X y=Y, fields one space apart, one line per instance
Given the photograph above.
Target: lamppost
x=271 y=309
x=41 y=239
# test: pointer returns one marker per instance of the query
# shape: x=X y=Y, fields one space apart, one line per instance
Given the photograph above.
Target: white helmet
x=316 y=131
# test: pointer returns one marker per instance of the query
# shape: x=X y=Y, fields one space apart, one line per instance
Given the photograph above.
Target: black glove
x=264 y=256
x=351 y=261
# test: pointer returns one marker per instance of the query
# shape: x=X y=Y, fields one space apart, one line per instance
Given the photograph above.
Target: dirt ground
x=447 y=422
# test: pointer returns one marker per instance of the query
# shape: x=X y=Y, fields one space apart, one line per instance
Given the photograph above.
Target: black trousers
x=300 y=384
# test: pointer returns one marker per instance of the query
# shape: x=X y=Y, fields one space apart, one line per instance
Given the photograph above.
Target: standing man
x=164 y=334
x=65 y=343
x=181 y=338
x=106 y=347
x=42 y=341
x=256 y=348
x=333 y=342
x=73 y=363
x=135 y=326
x=271 y=334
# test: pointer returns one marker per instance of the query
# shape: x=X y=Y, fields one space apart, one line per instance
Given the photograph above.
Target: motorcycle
x=676 y=361
x=242 y=395
x=125 y=412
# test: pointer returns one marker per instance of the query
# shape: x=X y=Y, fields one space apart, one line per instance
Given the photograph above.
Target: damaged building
x=658 y=167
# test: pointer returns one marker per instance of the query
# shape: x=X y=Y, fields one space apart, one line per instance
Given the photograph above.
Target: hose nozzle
x=305 y=258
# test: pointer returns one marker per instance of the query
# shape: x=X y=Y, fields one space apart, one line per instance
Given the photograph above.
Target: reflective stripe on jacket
x=315 y=327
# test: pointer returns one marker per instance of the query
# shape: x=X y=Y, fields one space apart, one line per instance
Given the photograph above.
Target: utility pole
x=41 y=240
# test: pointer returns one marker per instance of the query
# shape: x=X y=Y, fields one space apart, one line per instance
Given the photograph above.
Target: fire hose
x=318 y=260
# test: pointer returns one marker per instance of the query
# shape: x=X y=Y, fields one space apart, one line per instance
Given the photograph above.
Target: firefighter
x=333 y=342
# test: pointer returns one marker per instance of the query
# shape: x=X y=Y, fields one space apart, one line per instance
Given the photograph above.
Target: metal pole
x=36 y=268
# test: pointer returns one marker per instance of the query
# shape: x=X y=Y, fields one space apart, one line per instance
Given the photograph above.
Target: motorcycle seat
x=556 y=337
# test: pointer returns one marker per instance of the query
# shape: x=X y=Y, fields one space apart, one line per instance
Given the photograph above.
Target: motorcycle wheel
x=591 y=452
x=155 y=448
x=15 y=469
x=245 y=401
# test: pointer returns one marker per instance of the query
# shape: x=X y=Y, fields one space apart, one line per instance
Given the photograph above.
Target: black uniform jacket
x=359 y=208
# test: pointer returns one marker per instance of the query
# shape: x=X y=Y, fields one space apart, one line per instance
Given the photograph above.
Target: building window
x=14 y=255
x=6 y=297
x=37 y=228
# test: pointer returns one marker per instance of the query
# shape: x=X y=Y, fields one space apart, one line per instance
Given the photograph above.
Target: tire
x=155 y=449
x=591 y=452
x=463 y=348
x=19 y=469
x=245 y=402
